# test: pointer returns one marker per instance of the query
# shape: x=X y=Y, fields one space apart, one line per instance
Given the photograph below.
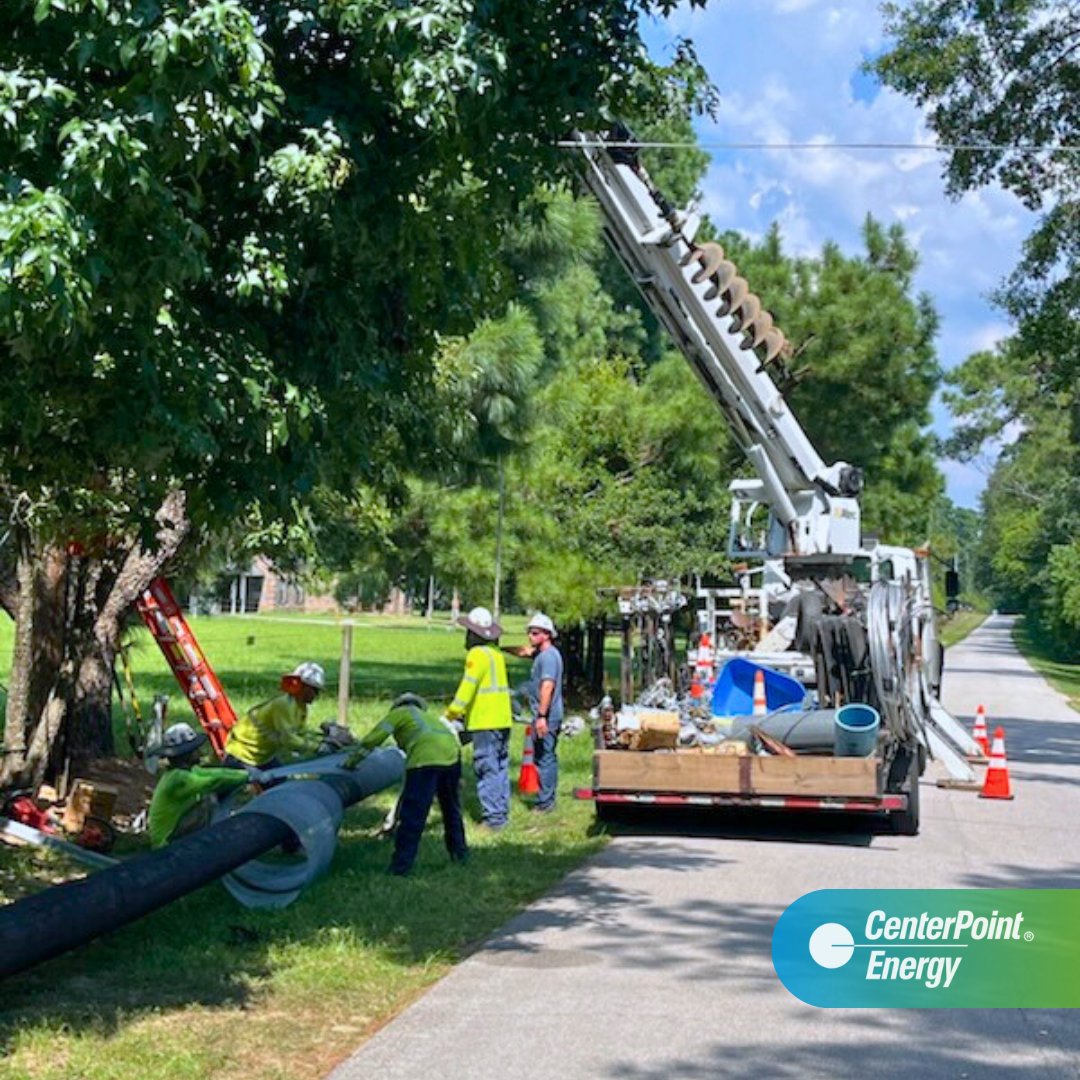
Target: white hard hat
x=482 y=623
x=180 y=739
x=541 y=622
x=311 y=674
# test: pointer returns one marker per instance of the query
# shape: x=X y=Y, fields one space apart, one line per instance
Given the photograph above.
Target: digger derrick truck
x=860 y=616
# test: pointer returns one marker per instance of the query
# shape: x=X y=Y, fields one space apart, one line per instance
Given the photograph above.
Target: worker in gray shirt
x=546 y=697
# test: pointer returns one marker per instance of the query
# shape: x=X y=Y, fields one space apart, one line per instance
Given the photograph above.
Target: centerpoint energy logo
x=832 y=945
x=974 y=948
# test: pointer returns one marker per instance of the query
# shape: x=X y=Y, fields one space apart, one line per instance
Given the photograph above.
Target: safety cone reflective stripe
x=528 y=777
x=978 y=731
x=996 y=785
x=761 y=706
x=705 y=656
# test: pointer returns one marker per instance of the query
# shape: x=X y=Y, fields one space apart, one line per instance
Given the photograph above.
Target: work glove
x=355 y=758
x=457 y=727
x=410 y=698
x=334 y=737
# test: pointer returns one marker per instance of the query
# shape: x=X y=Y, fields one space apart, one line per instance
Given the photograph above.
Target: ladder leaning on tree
x=201 y=686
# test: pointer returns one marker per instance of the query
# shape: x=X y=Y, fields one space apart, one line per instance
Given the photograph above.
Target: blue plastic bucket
x=733 y=694
x=856 y=730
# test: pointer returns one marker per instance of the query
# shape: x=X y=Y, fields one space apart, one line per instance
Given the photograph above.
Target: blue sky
x=789 y=71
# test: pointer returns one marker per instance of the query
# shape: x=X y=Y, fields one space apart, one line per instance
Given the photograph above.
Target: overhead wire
x=948 y=148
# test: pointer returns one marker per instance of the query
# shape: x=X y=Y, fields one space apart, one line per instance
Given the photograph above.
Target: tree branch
x=141 y=566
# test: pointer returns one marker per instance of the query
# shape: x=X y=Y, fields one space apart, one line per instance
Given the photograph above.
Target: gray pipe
x=312 y=808
x=812 y=729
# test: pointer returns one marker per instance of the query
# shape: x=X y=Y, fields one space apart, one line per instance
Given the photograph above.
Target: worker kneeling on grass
x=432 y=769
x=268 y=731
x=184 y=798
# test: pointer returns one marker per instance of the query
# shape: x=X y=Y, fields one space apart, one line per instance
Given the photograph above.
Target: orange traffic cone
x=706 y=657
x=996 y=785
x=978 y=731
x=528 y=778
x=761 y=706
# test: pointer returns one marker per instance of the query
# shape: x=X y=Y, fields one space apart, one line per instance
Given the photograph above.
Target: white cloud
x=789 y=79
x=988 y=335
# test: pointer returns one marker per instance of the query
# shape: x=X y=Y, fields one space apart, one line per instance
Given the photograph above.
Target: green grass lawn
x=959 y=625
x=205 y=988
x=1062 y=676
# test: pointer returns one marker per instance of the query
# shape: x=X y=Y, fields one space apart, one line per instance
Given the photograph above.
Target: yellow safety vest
x=482 y=699
x=268 y=730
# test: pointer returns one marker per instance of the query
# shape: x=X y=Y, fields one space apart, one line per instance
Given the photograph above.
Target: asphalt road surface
x=653 y=960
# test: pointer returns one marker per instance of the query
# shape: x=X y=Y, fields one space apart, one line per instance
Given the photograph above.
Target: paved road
x=653 y=960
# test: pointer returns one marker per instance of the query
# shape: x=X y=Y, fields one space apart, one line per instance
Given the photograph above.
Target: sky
x=788 y=71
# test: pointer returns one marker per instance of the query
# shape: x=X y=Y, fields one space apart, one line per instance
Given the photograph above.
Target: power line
x=935 y=147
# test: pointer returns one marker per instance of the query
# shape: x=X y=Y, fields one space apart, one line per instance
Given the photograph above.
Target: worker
x=275 y=727
x=183 y=800
x=482 y=705
x=544 y=693
x=432 y=769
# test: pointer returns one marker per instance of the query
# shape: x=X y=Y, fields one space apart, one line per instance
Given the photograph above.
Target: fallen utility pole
x=63 y=917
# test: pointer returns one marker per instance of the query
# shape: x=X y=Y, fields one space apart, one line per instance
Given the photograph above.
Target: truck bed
x=692 y=772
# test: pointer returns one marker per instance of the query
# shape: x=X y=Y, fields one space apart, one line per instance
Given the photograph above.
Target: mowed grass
x=1062 y=676
x=206 y=988
x=957 y=627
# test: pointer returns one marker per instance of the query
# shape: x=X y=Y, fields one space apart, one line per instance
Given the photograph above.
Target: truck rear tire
x=906 y=822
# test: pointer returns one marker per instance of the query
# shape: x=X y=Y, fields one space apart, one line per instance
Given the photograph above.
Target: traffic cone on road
x=978 y=731
x=528 y=777
x=761 y=706
x=996 y=785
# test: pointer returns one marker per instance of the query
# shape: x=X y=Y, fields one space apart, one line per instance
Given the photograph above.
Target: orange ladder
x=203 y=689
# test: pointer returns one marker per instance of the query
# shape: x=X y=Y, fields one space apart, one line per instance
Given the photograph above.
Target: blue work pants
x=422 y=786
x=491 y=763
x=547 y=765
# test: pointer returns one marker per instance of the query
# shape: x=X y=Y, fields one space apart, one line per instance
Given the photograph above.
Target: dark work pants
x=422 y=786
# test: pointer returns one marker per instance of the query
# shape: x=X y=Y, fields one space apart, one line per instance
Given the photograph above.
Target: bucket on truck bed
x=734 y=691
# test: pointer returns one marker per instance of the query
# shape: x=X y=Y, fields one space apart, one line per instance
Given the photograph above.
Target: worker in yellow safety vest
x=482 y=705
x=268 y=731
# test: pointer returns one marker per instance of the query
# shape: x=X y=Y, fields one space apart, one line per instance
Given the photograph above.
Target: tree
x=1004 y=78
x=231 y=234
x=490 y=376
x=864 y=365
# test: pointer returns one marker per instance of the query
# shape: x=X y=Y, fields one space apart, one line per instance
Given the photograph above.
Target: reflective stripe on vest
x=491 y=707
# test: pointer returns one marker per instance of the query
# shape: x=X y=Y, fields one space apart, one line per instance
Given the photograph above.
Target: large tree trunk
x=68 y=605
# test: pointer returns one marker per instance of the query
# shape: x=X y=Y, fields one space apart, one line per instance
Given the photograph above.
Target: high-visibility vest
x=425 y=740
x=267 y=730
x=482 y=699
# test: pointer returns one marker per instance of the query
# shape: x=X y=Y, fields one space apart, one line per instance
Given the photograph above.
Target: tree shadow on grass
x=206 y=950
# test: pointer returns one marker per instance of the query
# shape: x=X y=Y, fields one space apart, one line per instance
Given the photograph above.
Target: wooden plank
x=689 y=772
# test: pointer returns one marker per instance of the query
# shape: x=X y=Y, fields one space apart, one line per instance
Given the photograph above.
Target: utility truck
x=853 y=620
